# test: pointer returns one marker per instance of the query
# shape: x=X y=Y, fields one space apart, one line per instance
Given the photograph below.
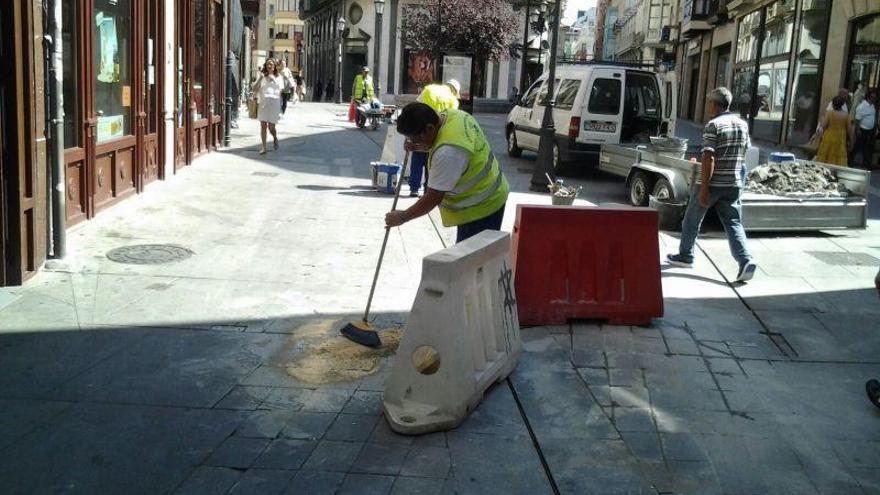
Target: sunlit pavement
x=174 y=377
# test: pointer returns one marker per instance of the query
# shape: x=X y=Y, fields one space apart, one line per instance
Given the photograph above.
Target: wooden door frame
x=143 y=10
x=183 y=46
x=24 y=174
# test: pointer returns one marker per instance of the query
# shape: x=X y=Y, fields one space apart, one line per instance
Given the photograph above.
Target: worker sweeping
x=464 y=178
x=440 y=97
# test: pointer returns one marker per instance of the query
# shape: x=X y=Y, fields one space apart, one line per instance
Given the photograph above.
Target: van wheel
x=639 y=187
x=559 y=167
x=513 y=148
x=663 y=190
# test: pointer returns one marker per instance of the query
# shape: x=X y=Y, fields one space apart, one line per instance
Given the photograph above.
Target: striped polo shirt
x=727 y=136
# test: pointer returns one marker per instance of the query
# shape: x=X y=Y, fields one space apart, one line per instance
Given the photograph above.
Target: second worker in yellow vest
x=440 y=97
x=363 y=86
x=464 y=177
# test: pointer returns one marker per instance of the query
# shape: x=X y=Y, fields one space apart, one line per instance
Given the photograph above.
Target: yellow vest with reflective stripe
x=482 y=189
x=439 y=97
x=359 y=84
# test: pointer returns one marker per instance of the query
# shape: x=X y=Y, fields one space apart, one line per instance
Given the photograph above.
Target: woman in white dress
x=268 y=90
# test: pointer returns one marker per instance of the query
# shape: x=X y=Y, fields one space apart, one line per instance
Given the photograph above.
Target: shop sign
x=110 y=127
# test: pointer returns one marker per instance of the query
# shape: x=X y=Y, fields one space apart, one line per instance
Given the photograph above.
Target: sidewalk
x=213 y=374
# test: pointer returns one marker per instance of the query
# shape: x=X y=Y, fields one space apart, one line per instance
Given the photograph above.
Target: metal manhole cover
x=839 y=258
x=265 y=174
x=149 y=254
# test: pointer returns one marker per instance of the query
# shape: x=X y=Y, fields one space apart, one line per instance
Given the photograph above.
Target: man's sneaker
x=746 y=271
x=679 y=260
x=414 y=194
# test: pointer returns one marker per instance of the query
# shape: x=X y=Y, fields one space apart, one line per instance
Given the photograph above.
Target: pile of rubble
x=795 y=179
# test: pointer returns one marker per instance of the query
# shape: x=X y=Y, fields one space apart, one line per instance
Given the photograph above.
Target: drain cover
x=149 y=254
x=840 y=258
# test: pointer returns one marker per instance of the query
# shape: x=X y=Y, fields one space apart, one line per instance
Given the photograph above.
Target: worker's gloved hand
x=394 y=218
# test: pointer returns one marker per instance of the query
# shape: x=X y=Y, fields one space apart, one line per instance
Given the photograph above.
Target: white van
x=596 y=103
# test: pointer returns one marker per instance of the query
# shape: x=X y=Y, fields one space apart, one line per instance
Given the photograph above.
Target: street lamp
x=340 y=27
x=548 y=152
x=299 y=55
x=377 y=50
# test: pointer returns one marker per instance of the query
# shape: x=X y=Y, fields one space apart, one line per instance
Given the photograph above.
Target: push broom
x=362 y=332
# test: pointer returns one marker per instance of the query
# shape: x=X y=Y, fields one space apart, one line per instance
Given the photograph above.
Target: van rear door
x=669 y=92
x=601 y=114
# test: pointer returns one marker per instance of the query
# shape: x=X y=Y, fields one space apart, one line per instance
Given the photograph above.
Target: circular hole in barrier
x=426 y=360
x=408 y=419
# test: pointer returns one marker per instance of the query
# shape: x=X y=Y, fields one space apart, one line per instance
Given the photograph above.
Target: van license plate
x=596 y=126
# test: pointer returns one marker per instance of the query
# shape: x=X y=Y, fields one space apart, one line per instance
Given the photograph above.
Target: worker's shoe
x=679 y=260
x=746 y=271
x=873 y=390
x=414 y=194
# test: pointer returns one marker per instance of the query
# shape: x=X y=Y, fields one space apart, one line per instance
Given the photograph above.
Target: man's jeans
x=729 y=207
x=417 y=162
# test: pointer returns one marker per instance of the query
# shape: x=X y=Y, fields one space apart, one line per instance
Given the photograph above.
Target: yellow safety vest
x=439 y=97
x=482 y=189
x=360 y=84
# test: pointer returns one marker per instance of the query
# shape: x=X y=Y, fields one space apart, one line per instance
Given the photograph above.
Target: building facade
x=279 y=34
x=645 y=30
x=783 y=59
x=144 y=92
x=333 y=57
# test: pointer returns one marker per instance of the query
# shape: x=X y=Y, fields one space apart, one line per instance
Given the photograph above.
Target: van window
x=542 y=96
x=605 y=97
x=566 y=94
x=532 y=93
x=642 y=96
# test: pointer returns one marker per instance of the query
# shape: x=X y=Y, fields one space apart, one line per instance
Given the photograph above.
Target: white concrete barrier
x=461 y=336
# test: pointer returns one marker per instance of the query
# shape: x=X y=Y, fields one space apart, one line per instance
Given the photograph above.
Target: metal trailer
x=668 y=179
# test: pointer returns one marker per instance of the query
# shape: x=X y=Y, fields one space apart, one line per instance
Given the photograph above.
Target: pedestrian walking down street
x=725 y=141
x=318 y=91
x=836 y=133
x=865 y=120
x=289 y=85
x=268 y=89
x=300 y=85
x=465 y=179
x=328 y=92
x=440 y=97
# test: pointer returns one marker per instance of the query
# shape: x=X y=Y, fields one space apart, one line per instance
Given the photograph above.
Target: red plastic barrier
x=587 y=262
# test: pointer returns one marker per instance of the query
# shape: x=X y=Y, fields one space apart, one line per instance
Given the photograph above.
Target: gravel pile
x=795 y=179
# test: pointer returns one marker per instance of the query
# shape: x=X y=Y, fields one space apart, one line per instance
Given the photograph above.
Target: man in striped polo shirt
x=725 y=141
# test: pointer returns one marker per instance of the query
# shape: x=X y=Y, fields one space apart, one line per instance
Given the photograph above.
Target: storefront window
x=217 y=64
x=113 y=91
x=72 y=99
x=864 y=58
x=803 y=114
x=762 y=99
x=199 y=63
x=181 y=74
x=150 y=55
x=742 y=91
x=747 y=43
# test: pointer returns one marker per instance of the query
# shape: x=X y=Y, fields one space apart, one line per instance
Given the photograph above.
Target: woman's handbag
x=252 y=107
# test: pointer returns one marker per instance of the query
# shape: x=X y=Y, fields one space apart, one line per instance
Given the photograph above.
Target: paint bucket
x=386 y=176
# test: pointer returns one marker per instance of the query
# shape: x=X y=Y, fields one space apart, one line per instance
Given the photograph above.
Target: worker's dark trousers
x=492 y=222
x=417 y=162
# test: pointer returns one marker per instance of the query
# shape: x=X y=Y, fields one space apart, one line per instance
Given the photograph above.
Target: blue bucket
x=386 y=177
